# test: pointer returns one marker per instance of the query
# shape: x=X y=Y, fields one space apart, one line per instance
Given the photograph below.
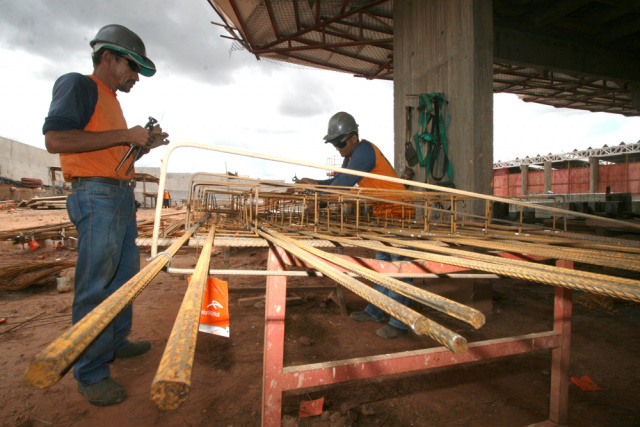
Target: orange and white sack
x=214 y=317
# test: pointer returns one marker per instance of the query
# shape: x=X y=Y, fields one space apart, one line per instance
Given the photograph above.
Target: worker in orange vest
x=362 y=155
x=86 y=126
x=167 y=199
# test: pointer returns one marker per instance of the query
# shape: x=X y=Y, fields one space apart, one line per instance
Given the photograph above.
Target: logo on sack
x=215 y=304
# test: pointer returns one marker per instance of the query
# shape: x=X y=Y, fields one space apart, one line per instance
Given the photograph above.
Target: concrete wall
x=18 y=160
x=177 y=184
x=446 y=46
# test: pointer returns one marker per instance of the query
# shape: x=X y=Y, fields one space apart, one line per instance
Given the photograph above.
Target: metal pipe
x=172 y=383
x=217 y=272
x=48 y=366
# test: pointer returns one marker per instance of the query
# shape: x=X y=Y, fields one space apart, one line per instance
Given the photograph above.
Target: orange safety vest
x=384 y=168
x=107 y=116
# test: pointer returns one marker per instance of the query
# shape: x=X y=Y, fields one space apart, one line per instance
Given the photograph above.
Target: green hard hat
x=121 y=39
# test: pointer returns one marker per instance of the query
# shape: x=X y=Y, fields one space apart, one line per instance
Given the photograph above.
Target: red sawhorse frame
x=278 y=378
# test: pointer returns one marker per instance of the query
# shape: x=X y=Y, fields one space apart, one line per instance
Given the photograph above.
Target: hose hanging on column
x=433 y=108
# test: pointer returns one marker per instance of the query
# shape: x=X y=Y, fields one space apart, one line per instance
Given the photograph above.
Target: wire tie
x=162 y=253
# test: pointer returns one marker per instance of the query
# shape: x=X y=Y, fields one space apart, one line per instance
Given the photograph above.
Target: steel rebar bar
x=50 y=365
x=172 y=383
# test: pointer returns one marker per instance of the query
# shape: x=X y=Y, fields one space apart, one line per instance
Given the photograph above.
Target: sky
x=208 y=91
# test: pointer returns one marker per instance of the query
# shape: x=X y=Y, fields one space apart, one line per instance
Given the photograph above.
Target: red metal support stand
x=275 y=303
x=278 y=378
x=559 y=405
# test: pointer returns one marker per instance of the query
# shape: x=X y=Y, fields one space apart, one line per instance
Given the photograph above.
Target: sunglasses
x=340 y=144
x=132 y=64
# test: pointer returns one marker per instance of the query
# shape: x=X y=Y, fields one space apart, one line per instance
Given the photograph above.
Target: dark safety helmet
x=340 y=124
x=121 y=39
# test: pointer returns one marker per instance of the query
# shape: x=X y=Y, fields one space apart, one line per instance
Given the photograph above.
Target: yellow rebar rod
x=50 y=365
x=172 y=383
x=628 y=262
x=621 y=282
x=452 y=308
x=419 y=323
x=563 y=277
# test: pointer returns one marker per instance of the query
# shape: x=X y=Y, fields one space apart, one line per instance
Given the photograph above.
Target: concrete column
x=594 y=178
x=524 y=173
x=447 y=46
x=548 y=177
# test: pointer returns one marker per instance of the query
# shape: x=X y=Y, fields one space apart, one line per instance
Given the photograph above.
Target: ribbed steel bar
x=419 y=323
x=431 y=187
x=218 y=272
x=437 y=302
x=620 y=283
x=612 y=280
x=48 y=366
x=616 y=247
x=564 y=277
x=569 y=254
x=623 y=261
x=172 y=383
x=433 y=246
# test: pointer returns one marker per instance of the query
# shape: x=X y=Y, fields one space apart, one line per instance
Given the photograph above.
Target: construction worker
x=166 y=199
x=85 y=125
x=363 y=156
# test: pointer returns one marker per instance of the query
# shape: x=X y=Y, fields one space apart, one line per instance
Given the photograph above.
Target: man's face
x=124 y=71
x=350 y=145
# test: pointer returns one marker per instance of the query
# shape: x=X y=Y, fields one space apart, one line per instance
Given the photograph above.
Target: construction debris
x=55 y=202
x=32 y=182
x=15 y=277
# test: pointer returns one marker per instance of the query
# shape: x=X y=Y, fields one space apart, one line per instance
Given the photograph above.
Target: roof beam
x=327 y=21
x=319 y=64
x=310 y=45
x=520 y=47
x=272 y=18
x=560 y=9
x=246 y=33
x=296 y=12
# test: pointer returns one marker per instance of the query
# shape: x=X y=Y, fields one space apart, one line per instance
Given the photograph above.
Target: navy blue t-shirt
x=73 y=103
x=362 y=159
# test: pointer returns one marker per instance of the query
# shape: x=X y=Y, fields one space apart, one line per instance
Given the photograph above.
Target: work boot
x=363 y=316
x=106 y=392
x=390 y=332
x=133 y=349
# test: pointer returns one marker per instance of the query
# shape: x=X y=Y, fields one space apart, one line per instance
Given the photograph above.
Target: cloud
x=305 y=95
x=179 y=39
x=528 y=129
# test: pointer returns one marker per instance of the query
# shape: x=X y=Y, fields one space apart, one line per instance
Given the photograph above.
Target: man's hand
x=157 y=138
x=307 y=181
x=138 y=136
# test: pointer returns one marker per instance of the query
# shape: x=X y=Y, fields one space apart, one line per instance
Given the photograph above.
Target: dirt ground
x=227 y=374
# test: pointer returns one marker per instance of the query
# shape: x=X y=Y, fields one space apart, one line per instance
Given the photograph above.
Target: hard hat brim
x=147 y=67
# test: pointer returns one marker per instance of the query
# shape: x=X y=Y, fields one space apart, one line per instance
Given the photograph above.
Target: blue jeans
x=105 y=219
x=375 y=311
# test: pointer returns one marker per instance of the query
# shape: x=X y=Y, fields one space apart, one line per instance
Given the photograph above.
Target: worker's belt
x=131 y=183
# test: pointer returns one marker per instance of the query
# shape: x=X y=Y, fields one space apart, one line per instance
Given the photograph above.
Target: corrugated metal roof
x=356 y=37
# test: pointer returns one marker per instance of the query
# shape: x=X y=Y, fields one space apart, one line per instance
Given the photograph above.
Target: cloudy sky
x=207 y=92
